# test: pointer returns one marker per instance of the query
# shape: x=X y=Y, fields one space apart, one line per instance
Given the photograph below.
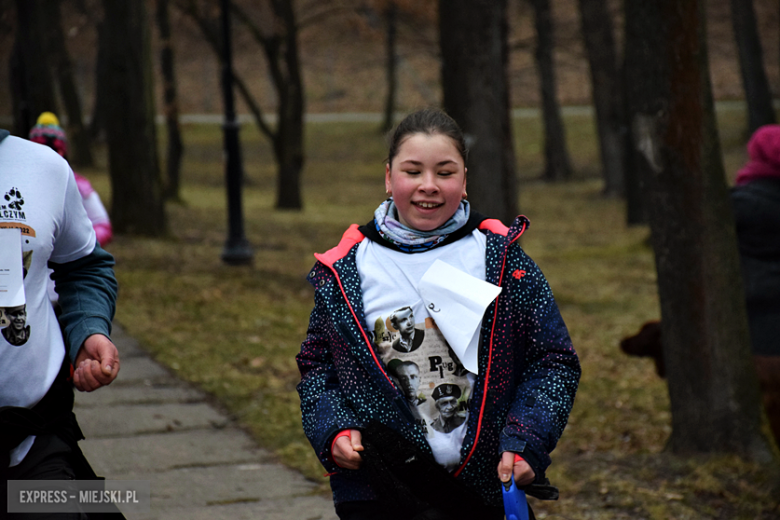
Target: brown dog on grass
x=647 y=343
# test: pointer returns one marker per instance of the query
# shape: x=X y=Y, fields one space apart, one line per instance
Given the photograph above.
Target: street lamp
x=237 y=250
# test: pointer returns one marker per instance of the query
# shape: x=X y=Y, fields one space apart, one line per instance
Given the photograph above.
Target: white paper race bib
x=458 y=302
x=11 y=273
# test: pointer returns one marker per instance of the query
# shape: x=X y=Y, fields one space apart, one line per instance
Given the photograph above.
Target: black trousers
x=55 y=454
x=374 y=510
x=50 y=458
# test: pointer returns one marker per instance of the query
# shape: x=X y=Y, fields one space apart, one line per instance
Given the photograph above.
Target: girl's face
x=427 y=180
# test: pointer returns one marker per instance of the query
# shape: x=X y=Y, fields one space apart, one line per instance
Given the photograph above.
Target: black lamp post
x=237 y=249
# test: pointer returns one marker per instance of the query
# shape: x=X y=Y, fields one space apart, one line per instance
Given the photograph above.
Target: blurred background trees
x=369 y=56
x=170 y=106
x=751 y=62
x=715 y=406
x=274 y=29
x=598 y=34
x=32 y=85
x=556 y=153
x=136 y=184
x=39 y=67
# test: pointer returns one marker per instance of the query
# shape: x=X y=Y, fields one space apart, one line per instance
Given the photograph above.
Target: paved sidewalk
x=148 y=425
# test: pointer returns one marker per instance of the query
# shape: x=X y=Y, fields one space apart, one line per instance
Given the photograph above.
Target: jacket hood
x=355 y=234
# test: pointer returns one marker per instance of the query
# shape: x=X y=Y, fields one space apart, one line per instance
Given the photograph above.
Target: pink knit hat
x=49 y=132
x=763 y=155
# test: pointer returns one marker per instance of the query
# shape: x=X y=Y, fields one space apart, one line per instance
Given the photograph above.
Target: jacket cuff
x=521 y=447
x=85 y=328
x=342 y=433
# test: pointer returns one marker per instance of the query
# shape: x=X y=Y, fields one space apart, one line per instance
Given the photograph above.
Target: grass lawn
x=234 y=331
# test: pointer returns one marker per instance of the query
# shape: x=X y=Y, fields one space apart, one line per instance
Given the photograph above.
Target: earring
x=465 y=196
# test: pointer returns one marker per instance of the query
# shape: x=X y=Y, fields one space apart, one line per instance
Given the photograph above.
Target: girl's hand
x=345 y=450
x=510 y=464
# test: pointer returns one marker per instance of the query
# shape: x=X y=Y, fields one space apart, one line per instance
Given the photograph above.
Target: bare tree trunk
x=473 y=39
x=170 y=104
x=751 y=64
x=137 y=202
x=607 y=98
x=391 y=19
x=289 y=142
x=556 y=153
x=712 y=383
x=79 y=149
x=634 y=71
x=97 y=124
x=32 y=87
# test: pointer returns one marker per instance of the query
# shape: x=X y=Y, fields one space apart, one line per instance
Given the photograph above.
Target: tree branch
x=212 y=37
x=257 y=112
x=270 y=45
x=250 y=24
x=322 y=14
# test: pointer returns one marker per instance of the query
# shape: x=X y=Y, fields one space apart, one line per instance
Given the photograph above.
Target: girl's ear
x=388 y=186
x=465 y=171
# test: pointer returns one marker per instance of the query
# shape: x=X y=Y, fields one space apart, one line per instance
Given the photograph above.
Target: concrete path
x=148 y=425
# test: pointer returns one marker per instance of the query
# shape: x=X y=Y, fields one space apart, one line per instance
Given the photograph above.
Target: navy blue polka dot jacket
x=528 y=369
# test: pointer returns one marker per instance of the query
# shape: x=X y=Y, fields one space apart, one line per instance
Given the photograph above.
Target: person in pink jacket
x=48 y=131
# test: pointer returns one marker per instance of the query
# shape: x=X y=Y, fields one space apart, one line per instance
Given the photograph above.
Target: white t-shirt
x=417 y=355
x=38 y=195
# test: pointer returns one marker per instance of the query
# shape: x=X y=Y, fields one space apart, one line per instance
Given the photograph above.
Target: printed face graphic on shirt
x=17 y=332
x=447 y=397
x=17 y=316
x=403 y=321
x=447 y=406
x=409 y=338
x=409 y=377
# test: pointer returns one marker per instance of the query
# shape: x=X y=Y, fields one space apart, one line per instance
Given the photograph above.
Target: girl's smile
x=427 y=180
